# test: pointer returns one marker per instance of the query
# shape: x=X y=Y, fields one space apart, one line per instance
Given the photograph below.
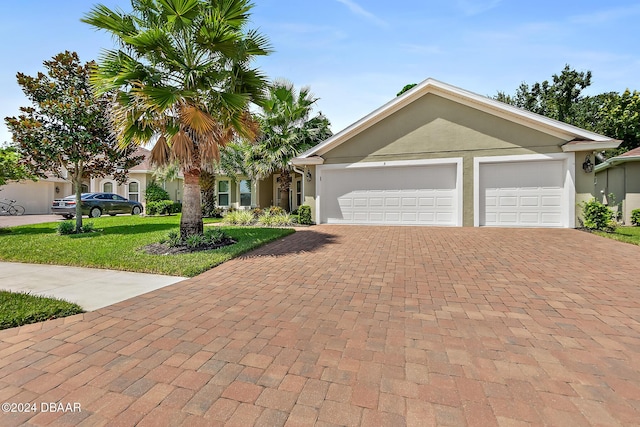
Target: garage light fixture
x=587 y=166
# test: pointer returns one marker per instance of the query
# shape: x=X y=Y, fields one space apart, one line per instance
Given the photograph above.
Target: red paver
x=356 y=326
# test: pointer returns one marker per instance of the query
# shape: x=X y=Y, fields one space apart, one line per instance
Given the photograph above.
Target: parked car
x=96 y=204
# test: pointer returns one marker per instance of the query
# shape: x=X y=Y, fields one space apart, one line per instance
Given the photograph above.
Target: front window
x=134 y=192
x=107 y=187
x=223 y=193
x=245 y=192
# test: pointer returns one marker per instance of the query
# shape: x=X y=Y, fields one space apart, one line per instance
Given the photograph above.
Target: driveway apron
x=344 y=325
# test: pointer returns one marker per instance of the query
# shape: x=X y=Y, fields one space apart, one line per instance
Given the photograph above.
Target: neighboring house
x=243 y=193
x=618 y=183
x=36 y=197
x=440 y=155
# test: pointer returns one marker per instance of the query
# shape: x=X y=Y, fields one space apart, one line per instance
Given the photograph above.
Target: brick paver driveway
x=356 y=326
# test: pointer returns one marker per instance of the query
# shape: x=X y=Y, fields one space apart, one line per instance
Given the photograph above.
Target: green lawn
x=623 y=234
x=117 y=242
x=18 y=309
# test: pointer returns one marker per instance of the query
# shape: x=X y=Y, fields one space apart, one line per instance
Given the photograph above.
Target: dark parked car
x=96 y=204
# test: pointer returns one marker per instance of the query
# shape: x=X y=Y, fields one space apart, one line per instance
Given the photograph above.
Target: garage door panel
x=394 y=195
x=537 y=200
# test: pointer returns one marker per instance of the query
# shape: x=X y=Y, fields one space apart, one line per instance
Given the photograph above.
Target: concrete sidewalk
x=91 y=288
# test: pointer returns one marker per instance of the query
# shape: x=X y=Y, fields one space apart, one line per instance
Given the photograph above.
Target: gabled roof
x=629 y=156
x=580 y=139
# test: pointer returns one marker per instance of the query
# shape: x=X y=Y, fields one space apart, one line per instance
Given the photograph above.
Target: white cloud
x=360 y=11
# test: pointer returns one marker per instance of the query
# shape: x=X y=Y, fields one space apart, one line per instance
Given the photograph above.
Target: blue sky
x=356 y=54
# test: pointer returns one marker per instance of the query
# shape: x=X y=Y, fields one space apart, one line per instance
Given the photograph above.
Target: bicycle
x=9 y=207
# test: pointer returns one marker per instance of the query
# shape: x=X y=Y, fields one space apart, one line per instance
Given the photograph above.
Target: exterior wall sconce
x=308 y=176
x=587 y=166
x=57 y=189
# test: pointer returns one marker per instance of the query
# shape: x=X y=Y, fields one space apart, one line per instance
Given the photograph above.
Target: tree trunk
x=77 y=182
x=191 y=220
x=284 y=183
x=208 y=187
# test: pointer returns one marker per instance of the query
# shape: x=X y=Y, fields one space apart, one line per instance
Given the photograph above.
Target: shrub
x=66 y=227
x=257 y=212
x=635 y=217
x=280 y=220
x=87 y=227
x=69 y=227
x=597 y=216
x=304 y=214
x=155 y=193
x=209 y=237
x=276 y=210
x=163 y=207
x=239 y=218
x=176 y=207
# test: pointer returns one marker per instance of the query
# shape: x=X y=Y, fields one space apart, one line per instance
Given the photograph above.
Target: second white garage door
x=395 y=195
x=523 y=194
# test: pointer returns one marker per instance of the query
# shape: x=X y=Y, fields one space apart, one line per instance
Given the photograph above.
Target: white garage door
x=523 y=194
x=400 y=195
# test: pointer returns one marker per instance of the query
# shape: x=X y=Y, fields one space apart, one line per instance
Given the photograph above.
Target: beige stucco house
x=36 y=197
x=443 y=156
x=242 y=193
x=618 y=183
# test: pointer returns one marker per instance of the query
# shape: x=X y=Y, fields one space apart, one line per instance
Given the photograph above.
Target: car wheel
x=95 y=212
x=136 y=210
x=67 y=216
x=112 y=214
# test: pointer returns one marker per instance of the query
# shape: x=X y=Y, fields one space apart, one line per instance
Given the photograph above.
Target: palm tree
x=182 y=77
x=286 y=131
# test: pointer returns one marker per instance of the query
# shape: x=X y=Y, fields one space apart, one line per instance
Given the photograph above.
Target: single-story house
x=243 y=193
x=443 y=156
x=618 y=183
x=36 y=197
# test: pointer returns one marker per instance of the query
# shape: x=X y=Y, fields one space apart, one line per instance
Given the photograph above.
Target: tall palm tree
x=182 y=77
x=286 y=130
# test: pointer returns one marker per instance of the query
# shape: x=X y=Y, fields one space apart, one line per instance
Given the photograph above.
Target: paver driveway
x=356 y=326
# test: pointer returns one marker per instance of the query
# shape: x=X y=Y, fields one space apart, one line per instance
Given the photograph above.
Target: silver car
x=96 y=204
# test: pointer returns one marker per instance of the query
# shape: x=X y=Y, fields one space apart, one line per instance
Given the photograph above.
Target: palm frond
x=182 y=149
x=161 y=153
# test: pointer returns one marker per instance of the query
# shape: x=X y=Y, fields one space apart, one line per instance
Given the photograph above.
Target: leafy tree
x=182 y=76
x=10 y=167
x=286 y=130
x=406 y=88
x=610 y=113
x=619 y=117
x=67 y=128
x=556 y=100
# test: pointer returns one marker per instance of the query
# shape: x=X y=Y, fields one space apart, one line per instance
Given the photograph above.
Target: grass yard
x=18 y=309
x=116 y=245
x=623 y=234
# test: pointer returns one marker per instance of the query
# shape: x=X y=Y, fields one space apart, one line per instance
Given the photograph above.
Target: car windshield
x=83 y=196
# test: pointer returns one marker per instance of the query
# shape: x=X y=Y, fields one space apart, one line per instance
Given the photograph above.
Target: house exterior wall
x=623 y=181
x=433 y=127
x=632 y=199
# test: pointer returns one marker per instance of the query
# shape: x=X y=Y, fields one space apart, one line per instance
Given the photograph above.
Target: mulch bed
x=164 y=249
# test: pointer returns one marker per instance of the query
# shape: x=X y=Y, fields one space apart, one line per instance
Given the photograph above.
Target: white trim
x=128 y=193
x=458 y=161
x=591 y=146
x=239 y=194
x=228 y=193
x=114 y=186
x=569 y=160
